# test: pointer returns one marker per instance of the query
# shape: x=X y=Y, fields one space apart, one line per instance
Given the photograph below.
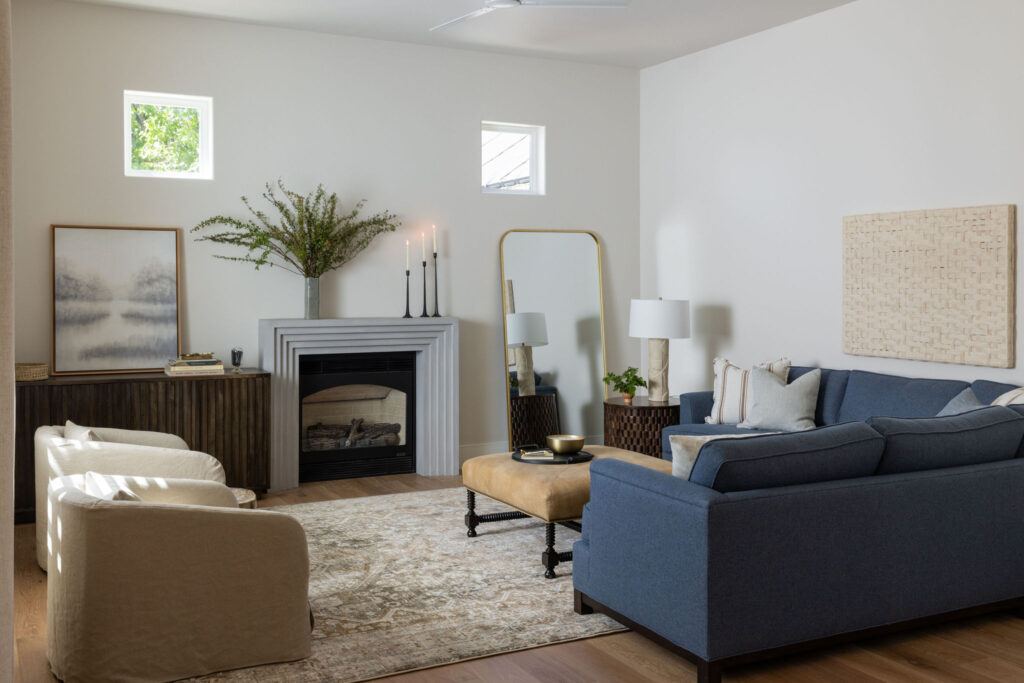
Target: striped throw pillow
x=1012 y=397
x=733 y=395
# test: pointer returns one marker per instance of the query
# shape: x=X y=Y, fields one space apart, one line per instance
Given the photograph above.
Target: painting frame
x=121 y=364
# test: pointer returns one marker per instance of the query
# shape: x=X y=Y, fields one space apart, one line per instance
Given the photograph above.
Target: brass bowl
x=565 y=443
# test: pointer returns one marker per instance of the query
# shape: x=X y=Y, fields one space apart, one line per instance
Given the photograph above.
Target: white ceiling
x=645 y=33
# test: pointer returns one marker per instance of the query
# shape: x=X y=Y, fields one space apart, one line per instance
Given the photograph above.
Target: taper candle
x=407 y=254
x=434 y=227
x=423 y=244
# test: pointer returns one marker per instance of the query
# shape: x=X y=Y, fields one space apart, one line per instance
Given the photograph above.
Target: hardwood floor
x=982 y=650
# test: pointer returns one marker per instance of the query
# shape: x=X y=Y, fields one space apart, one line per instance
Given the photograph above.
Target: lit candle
x=435 y=237
x=423 y=243
x=407 y=254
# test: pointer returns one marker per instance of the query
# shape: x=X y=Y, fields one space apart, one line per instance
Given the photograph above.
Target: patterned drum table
x=638 y=427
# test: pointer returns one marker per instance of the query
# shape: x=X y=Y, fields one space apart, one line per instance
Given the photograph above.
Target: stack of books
x=179 y=367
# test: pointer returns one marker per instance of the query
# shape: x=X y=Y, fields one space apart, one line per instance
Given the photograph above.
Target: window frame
x=537 y=161
x=203 y=105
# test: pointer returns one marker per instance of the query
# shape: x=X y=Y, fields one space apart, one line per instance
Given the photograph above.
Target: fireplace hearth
x=357 y=415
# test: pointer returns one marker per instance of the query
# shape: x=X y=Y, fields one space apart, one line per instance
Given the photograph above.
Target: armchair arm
x=644 y=550
x=173 y=590
x=695 y=406
x=141 y=438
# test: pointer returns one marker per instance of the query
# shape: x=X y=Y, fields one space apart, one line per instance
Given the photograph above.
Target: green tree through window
x=165 y=138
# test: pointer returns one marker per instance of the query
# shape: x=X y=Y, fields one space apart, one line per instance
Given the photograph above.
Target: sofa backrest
x=914 y=444
x=870 y=394
x=845 y=451
x=988 y=391
x=830 y=392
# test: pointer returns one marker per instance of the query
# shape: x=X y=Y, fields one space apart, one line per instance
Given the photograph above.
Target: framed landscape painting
x=116 y=299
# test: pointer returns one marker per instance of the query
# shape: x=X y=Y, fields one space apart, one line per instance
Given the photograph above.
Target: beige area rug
x=396 y=585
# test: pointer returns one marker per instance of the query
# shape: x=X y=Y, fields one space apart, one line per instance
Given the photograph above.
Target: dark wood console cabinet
x=227 y=416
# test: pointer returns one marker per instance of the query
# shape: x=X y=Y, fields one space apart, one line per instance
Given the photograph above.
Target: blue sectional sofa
x=844 y=396
x=782 y=543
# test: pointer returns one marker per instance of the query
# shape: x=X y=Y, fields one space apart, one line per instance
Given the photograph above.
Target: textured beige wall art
x=934 y=285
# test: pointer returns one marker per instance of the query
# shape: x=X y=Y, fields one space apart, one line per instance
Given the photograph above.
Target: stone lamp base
x=657 y=369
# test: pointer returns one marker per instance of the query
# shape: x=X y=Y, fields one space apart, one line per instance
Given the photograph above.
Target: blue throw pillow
x=842 y=451
x=914 y=444
x=961 y=403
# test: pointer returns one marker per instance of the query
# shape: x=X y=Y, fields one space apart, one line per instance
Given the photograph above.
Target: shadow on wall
x=712 y=329
x=589 y=338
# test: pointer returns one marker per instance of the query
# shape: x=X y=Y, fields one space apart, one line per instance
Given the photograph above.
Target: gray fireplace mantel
x=436 y=343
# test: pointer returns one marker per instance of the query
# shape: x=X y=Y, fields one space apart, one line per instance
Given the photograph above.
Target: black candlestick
x=436 y=314
x=424 y=314
x=407 y=314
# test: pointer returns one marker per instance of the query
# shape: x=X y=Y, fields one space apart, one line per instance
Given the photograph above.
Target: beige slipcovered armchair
x=155 y=591
x=118 y=451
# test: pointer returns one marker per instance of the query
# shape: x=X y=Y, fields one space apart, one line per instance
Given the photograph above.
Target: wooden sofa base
x=711 y=672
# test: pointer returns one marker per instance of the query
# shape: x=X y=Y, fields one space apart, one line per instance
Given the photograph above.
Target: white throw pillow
x=74 y=432
x=108 y=487
x=1013 y=397
x=786 y=407
x=733 y=394
x=686 y=448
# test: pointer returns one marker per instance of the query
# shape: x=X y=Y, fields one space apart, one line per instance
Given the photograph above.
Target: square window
x=168 y=136
x=512 y=158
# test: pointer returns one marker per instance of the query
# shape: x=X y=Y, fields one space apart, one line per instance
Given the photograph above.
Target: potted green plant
x=626 y=383
x=309 y=235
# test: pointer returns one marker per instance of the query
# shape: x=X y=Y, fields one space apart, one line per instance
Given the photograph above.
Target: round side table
x=245 y=498
x=638 y=427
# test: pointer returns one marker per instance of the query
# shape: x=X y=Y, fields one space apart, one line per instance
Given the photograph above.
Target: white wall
x=397 y=124
x=753 y=151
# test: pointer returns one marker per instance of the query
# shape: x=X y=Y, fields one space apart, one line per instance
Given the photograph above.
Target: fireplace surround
x=434 y=341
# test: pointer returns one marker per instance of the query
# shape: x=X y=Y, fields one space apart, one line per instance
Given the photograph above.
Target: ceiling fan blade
x=579 y=4
x=472 y=15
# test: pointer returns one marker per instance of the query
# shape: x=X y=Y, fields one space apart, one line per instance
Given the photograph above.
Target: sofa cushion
x=830 y=392
x=963 y=402
x=842 y=451
x=988 y=391
x=781 y=406
x=699 y=430
x=686 y=448
x=870 y=394
x=983 y=435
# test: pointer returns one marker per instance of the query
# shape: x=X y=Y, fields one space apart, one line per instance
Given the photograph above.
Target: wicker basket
x=31 y=372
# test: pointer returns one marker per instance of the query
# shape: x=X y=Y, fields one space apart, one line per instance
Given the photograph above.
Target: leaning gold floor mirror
x=553 y=313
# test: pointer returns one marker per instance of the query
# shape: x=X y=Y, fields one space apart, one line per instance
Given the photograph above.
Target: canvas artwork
x=115 y=298
x=934 y=285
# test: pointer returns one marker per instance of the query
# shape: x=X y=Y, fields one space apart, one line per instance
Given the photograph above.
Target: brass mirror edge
x=504 y=313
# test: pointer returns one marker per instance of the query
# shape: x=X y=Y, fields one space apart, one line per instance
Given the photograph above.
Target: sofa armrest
x=176 y=589
x=695 y=406
x=644 y=550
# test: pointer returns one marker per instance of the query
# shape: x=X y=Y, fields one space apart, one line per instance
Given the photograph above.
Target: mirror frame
x=504 y=313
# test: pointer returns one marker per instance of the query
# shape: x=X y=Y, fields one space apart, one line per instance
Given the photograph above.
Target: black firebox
x=357 y=415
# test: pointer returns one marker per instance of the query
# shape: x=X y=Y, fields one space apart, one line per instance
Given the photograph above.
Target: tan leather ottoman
x=554 y=494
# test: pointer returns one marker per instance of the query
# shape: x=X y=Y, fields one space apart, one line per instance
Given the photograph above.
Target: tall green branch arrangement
x=308 y=236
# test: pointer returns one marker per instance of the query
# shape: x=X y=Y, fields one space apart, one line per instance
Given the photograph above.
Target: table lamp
x=659 y=320
x=523 y=331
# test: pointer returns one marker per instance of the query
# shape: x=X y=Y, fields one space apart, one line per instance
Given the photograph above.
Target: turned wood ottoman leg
x=471 y=517
x=549 y=558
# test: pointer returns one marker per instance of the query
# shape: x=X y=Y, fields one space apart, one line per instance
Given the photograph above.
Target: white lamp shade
x=659 y=318
x=526 y=329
